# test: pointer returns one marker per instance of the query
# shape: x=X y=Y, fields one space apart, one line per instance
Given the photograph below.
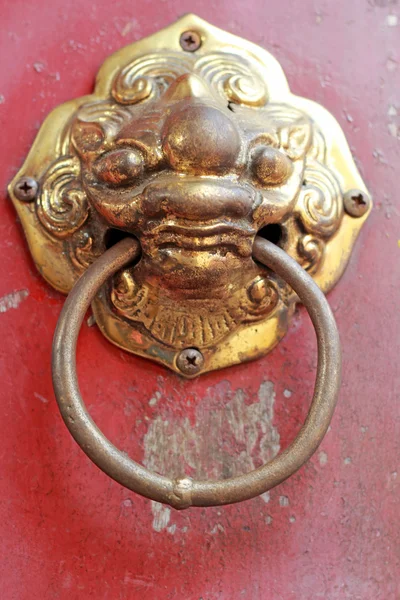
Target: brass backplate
x=193 y=143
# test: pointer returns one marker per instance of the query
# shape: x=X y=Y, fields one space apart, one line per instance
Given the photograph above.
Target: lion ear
x=296 y=139
x=86 y=136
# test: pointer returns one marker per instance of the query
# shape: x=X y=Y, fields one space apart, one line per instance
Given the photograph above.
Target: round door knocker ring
x=184 y=492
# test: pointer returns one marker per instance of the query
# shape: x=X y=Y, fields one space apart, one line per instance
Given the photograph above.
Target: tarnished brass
x=192 y=150
x=184 y=491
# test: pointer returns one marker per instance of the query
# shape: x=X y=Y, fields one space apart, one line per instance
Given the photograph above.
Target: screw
x=356 y=203
x=190 y=41
x=26 y=189
x=190 y=361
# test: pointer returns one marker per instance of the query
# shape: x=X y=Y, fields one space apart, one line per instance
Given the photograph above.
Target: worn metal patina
x=193 y=148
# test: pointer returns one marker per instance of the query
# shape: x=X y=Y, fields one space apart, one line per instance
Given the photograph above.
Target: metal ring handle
x=184 y=492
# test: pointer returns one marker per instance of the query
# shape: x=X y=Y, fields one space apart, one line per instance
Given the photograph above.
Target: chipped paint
x=39 y=67
x=154 y=399
x=266 y=497
x=218 y=528
x=392 y=20
x=232 y=433
x=161 y=516
x=91 y=321
x=13 y=300
x=393 y=129
x=391 y=64
x=323 y=458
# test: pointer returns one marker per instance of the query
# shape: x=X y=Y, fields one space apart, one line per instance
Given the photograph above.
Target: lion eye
x=271 y=167
x=119 y=167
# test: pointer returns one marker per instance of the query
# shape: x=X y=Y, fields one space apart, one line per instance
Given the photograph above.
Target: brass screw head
x=356 y=203
x=190 y=361
x=26 y=189
x=190 y=41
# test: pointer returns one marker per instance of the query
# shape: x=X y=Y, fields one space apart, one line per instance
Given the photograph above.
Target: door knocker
x=192 y=200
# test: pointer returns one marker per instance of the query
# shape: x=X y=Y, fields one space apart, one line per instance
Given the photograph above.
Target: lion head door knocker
x=192 y=199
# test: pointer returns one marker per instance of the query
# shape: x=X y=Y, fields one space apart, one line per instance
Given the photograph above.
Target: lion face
x=193 y=176
x=194 y=155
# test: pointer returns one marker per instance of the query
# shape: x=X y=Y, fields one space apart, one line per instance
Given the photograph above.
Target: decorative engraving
x=233 y=75
x=193 y=323
x=311 y=249
x=62 y=205
x=321 y=202
x=230 y=74
x=148 y=74
x=82 y=250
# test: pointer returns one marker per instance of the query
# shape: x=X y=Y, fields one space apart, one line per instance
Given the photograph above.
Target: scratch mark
x=41 y=398
x=12 y=300
x=130 y=579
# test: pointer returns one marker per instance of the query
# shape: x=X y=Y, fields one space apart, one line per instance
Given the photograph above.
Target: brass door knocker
x=192 y=200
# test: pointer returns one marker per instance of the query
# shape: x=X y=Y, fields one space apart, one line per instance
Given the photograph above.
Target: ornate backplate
x=193 y=143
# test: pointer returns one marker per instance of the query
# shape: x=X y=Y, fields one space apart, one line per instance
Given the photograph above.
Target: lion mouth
x=217 y=238
x=203 y=231
x=198 y=215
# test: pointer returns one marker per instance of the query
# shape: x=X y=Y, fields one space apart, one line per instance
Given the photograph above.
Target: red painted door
x=331 y=531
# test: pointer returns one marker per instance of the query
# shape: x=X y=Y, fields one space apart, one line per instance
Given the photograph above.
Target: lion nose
x=198 y=137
